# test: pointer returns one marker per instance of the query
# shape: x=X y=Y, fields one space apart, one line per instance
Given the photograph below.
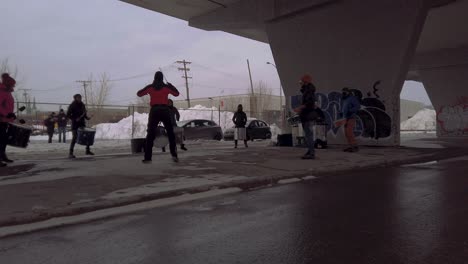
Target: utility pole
x=252 y=97
x=186 y=77
x=85 y=85
x=25 y=94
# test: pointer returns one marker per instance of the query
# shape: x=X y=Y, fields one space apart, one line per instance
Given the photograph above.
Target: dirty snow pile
x=275 y=131
x=423 y=120
x=123 y=129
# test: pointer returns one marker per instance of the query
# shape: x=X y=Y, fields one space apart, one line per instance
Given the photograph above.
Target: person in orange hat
x=7 y=105
x=307 y=113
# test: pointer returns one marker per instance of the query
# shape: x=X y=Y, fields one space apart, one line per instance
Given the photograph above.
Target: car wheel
x=268 y=136
x=218 y=137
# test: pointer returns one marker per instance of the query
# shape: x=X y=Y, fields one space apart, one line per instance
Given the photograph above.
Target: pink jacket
x=7 y=104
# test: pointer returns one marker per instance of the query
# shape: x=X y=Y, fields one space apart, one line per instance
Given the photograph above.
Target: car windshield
x=182 y=123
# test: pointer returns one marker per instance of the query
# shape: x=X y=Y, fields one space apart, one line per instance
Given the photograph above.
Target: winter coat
x=240 y=119
x=7 y=104
x=308 y=101
x=50 y=124
x=175 y=115
x=159 y=93
x=62 y=120
x=350 y=106
x=77 y=114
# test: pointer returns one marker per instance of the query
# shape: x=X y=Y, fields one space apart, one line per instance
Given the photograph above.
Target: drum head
x=161 y=141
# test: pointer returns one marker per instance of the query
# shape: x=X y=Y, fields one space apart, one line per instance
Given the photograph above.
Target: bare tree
x=97 y=94
x=263 y=98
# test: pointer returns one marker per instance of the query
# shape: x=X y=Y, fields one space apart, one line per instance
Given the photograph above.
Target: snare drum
x=18 y=135
x=179 y=135
x=85 y=136
x=240 y=133
x=161 y=139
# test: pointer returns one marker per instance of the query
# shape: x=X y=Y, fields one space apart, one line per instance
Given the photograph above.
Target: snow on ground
x=423 y=120
x=123 y=129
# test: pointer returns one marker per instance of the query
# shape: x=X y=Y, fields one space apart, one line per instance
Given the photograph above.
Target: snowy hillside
x=423 y=120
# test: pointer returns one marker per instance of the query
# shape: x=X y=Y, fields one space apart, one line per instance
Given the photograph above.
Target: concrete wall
x=366 y=45
x=448 y=90
x=444 y=74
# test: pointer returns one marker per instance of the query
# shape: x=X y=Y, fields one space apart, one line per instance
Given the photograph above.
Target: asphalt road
x=413 y=214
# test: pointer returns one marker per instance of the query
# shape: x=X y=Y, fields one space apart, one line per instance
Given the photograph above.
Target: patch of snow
x=425 y=119
x=123 y=129
x=275 y=131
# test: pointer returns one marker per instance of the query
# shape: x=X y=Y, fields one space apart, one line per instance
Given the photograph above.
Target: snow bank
x=123 y=129
x=423 y=120
x=275 y=131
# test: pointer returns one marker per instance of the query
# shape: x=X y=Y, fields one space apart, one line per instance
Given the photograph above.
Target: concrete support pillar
x=365 y=45
x=447 y=88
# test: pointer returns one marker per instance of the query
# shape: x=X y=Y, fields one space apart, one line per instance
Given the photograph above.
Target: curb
x=244 y=184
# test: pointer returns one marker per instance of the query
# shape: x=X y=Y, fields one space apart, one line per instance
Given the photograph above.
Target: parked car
x=256 y=129
x=201 y=129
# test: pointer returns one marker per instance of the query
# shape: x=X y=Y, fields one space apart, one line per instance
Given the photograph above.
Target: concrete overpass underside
x=369 y=45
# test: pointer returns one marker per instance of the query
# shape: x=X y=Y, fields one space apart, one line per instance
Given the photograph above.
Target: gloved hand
x=11 y=116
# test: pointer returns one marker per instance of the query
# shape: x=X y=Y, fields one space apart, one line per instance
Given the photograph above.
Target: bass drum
x=18 y=135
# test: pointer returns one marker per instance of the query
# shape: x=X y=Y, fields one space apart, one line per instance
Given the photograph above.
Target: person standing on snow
x=175 y=117
x=308 y=114
x=160 y=112
x=240 y=120
x=62 y=122
x=78 y=115
x=350 y=105
x=7 y=105
x=49 y=123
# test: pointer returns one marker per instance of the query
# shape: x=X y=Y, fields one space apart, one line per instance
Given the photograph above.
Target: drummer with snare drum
x=78 y=115
x=7 y=115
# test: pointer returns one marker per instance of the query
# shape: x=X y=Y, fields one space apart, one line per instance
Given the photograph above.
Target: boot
x=2 y=164
x=308 y=156
x=245 y=144
x=146 y=161
x=182 y=147
x=348 y=149
x=235 y=144
x=71 y=156
x=89 y=153
x=175 y=159
x=163 y=149
x=6 y=159
x=354 y=149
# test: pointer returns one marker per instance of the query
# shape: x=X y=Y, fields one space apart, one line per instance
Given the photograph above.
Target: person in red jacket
x=160 y=112
x=7 y=105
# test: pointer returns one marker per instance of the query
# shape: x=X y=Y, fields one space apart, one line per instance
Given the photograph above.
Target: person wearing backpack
x=350 y=105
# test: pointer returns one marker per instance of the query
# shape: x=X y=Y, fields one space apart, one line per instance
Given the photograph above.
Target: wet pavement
x=410 y=214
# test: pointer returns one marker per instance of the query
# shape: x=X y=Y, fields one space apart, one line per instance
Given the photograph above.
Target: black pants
x=73 y=142
x=50 y=132
x=159 y=114
x=3 y=138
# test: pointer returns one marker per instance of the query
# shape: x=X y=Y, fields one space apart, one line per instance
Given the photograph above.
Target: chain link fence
x=130 y=120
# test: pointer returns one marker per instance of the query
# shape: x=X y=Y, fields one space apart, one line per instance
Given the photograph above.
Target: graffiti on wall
x=372 y=122
x=453 y=119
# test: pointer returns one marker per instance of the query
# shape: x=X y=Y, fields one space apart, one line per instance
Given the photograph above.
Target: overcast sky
x=56 y=42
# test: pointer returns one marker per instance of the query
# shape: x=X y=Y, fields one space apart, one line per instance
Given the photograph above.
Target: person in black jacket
x=240 y=120
x=175 y=117
x=49 y=123
x=308 y=114
x=78 y=115
x=62 y=122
